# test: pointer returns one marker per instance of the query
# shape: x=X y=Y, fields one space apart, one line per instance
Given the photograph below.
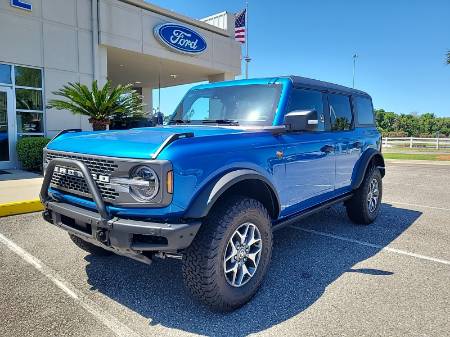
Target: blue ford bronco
x=236 y=161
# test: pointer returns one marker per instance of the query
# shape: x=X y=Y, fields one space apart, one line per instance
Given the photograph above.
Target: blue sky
x=401 y=46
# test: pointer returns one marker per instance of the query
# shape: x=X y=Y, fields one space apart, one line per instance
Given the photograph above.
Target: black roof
x=321 y=85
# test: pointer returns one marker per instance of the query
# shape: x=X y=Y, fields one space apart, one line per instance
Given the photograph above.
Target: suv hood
x=135 y=143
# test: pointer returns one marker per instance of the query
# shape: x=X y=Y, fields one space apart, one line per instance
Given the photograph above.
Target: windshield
x=234 y=105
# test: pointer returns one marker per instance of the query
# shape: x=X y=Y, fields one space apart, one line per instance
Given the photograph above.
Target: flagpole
x=247 y=58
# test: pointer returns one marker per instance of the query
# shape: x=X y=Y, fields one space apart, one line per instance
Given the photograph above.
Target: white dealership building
x=45 y=44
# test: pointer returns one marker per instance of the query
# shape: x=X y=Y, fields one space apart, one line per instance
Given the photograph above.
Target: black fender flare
x=205 y=200
x=363 y=163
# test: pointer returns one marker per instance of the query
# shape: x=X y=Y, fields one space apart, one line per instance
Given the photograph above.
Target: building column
x=147 y=99
x=102 y=63
x=221 y=77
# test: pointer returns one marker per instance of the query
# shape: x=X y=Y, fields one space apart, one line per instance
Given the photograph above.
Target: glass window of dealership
x=53 y=42
x=21 y=89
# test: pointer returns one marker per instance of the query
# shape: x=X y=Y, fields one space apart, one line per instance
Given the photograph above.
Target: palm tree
x=100 y=104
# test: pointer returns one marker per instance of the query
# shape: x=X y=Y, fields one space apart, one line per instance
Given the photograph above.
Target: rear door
x=347 y=142
x=308 y=155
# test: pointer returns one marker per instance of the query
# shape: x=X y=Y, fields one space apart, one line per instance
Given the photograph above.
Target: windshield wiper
x=179 y=121
x=221 y=121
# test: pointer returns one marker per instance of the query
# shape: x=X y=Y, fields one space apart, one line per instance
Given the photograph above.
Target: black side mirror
x=301 y=120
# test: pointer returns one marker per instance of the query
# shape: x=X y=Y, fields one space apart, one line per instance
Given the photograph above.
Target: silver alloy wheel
x=242 y=255
x=373 y=195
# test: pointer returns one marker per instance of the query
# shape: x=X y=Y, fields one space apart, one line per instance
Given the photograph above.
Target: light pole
x=355 y=56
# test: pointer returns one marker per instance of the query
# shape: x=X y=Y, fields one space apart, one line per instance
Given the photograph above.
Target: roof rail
x=169 y=140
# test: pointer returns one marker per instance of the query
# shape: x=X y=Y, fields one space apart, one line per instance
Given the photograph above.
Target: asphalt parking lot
x=328 y=277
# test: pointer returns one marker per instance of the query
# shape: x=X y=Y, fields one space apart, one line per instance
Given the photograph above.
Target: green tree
x=448 y=57
x=385 y=120
x=100 y=104
x=427 y=125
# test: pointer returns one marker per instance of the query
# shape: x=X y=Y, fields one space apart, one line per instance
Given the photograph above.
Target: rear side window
x=364 y=110
x=340 y=112
x=308 y=100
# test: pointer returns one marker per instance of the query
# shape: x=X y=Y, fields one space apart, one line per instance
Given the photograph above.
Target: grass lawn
x=416 y=156
x=398 y=149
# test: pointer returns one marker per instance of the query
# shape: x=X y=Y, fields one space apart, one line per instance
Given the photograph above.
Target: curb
x=21 y=207
x=418 y=162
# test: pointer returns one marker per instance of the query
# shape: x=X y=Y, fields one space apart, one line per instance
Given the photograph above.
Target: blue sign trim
x=180 y=38
x=22 y=5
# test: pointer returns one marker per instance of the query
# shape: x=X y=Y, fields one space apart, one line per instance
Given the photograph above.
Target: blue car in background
x=236 y=161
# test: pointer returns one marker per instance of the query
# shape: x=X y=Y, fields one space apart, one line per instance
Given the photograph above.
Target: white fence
x=411 y=142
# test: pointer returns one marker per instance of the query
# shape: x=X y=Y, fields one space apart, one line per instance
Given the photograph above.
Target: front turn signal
x=169 y=182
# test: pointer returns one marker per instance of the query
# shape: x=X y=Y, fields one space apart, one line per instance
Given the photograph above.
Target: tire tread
x=199 y=260
x=356 y=208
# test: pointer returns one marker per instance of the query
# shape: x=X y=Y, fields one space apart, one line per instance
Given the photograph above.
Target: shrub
x=29 y=152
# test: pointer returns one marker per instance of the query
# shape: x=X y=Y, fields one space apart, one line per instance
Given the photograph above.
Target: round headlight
x=146 y=184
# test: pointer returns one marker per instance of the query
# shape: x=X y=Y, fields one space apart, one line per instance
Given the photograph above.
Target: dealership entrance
x=147 y=72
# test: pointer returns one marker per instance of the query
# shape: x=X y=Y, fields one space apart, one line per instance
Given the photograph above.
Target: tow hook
x=102 y=236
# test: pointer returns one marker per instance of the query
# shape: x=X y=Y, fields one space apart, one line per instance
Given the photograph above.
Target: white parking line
x=416 y=205
x=372 y=245
x=101 y=315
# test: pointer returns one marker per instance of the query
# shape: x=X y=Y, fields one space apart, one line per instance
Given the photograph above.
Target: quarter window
x=340 y=112
x=364 y=109
x=308 y=100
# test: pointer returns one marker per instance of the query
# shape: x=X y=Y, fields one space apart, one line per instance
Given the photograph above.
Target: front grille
x=77 y=185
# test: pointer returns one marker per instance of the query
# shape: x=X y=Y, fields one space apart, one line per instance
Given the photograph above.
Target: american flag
x=239 y=26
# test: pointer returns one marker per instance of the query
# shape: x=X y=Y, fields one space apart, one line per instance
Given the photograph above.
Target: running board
x=286 y=222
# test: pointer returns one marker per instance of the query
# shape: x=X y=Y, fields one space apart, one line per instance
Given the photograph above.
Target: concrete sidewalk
x=19 y=192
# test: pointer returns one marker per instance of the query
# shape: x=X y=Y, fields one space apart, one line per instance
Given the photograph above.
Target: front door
x=7 y=129
x=309 y=157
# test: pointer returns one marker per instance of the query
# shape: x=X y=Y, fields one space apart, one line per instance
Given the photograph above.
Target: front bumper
x=124 y=236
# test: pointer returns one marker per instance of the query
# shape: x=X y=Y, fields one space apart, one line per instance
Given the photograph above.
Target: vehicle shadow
x=303 y=266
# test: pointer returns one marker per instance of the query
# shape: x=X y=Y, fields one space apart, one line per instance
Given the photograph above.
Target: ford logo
x=180 y=38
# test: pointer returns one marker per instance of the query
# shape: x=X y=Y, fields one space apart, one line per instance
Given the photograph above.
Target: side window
x=364 y=110
x=340 y=112
x=308 y=100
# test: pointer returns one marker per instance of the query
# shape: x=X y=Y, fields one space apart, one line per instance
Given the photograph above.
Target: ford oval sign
x=180 y=38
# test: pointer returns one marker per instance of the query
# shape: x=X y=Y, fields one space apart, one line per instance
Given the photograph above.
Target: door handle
x=327 y=149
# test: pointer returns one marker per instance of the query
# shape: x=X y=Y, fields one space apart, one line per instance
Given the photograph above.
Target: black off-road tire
x=203 y=261
x=89 y=247
x=357 y=207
